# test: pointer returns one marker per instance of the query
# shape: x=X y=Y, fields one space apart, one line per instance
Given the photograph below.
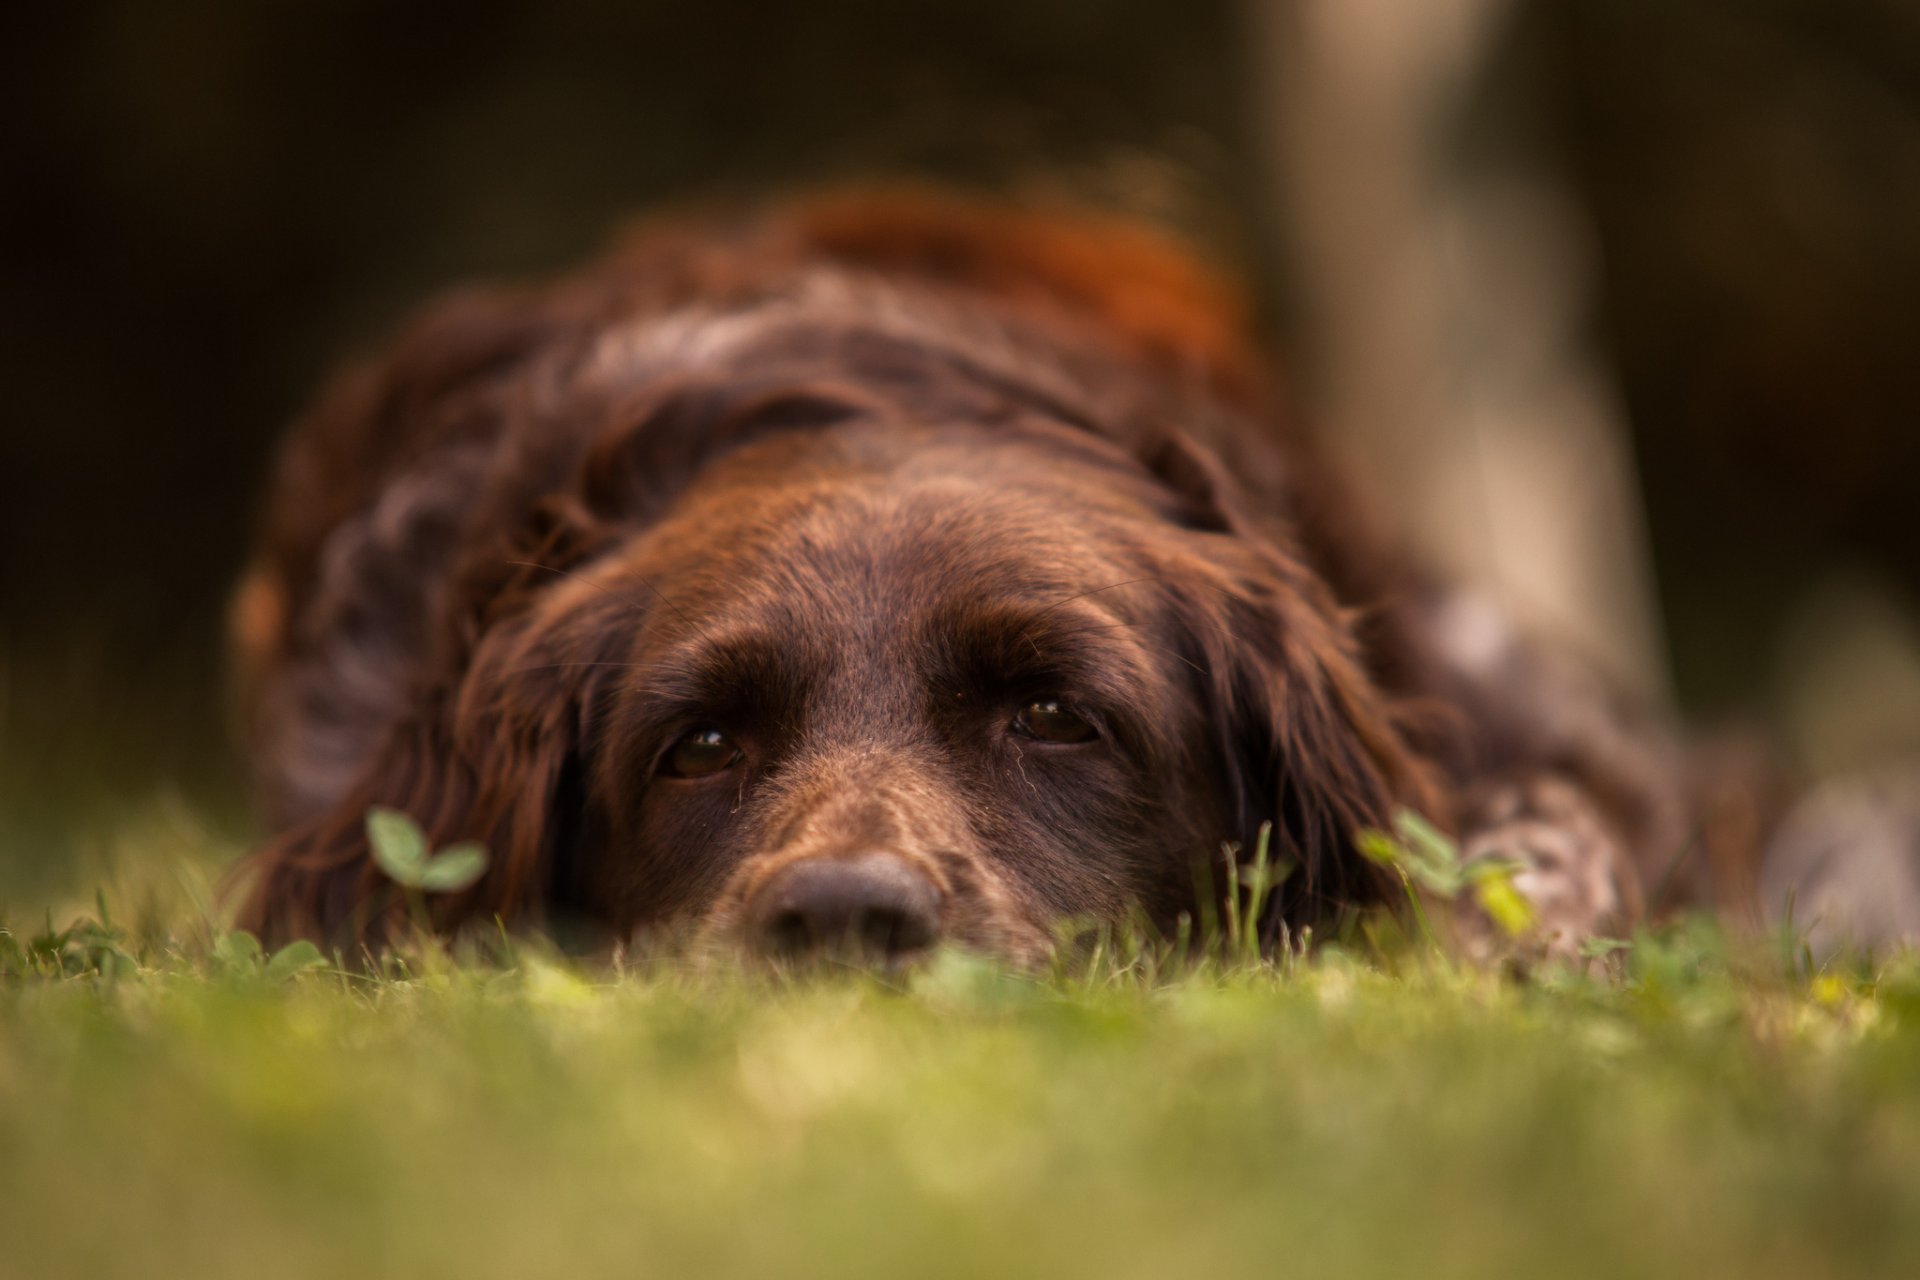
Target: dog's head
x=876 y=605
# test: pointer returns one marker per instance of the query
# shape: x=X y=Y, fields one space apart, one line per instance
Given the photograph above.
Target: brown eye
x=1049 y=720
x=700 y=754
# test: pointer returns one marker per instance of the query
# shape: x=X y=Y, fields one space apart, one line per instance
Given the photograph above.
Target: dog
x=876 y=571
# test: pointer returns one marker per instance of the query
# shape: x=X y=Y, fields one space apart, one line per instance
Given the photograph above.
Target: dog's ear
x=1310 y=739
x=1312 y=743
x=334 y=617
x=484 y=756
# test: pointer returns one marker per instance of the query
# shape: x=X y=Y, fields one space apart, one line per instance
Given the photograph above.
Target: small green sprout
x=1424 y=855
x=400 y=847
x=239 y=953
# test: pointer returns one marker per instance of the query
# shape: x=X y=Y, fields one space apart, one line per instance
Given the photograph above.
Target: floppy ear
x=1311 y=739
x=1314 y=745
x=483 y=756
x=358 y=534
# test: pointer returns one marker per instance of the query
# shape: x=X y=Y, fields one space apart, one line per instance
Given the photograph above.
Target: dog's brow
x=1047 y=612
x=1014 y=643
x=748 y=666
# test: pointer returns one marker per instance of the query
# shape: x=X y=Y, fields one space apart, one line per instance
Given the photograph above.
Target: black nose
x=874 y=907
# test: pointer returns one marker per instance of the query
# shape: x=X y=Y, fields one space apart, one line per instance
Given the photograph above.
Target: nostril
x=890 y=931
x=788 y=934
x=875 y=906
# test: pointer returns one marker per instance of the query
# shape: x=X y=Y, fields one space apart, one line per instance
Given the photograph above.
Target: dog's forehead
x=896 y=544
x=919 y=571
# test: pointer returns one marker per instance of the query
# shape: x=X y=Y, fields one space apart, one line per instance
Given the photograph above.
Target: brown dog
x=883 y=569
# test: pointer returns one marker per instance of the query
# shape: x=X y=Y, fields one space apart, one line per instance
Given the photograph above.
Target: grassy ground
x=173 y=1108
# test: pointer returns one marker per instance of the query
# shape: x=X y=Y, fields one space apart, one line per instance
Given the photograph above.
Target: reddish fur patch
x=1140 y=287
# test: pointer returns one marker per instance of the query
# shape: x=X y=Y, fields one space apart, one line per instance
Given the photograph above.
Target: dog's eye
x=1051 y=720
x=700 y=754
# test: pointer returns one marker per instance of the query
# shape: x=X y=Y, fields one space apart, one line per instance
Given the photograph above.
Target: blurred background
x=1616 y=302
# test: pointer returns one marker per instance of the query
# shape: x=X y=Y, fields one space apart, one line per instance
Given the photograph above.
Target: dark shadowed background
x=204 y=205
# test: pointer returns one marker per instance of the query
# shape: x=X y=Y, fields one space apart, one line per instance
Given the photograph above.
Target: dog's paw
x=1569 y=866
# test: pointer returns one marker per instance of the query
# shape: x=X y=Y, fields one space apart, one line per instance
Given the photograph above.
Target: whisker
x=1082 y=595
x=1181 y=657
x=1175 y=654
x=1027 y=634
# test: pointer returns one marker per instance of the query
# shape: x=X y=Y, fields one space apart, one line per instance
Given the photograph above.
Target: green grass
x=170 y=1108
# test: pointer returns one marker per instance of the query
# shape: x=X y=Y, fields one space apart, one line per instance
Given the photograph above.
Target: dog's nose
x=874 y=907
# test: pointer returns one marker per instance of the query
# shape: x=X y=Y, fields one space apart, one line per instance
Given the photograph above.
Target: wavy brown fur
x=850 y=478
